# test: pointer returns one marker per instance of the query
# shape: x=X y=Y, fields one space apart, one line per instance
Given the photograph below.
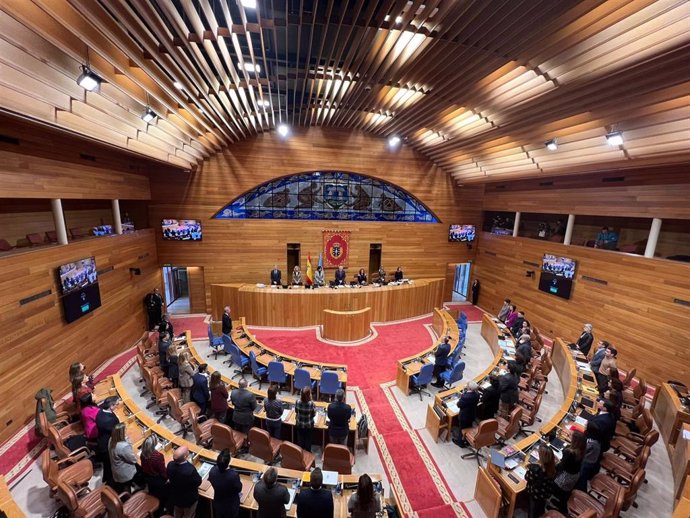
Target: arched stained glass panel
x=328 y=195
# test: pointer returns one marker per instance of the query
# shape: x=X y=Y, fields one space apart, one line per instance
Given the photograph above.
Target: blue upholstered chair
x=449 y=377
x=227 y=348
x=329 y=383
x=258 y=372
x=239 y=360
x=215 y=343
x=302 y=379
x=421 y=380
x=276 y=373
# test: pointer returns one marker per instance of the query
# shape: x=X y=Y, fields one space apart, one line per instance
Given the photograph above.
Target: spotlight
x=551 y=145
x=398 y=20
x=88 y=79
x=283 y=130
x=264 y=103
x=178 y=85
x=249 y=4
x=615 y=138
x=249 y=67
x=393 y=141
x=148 y=115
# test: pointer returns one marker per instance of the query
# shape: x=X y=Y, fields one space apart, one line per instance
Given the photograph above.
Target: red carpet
x=474 y=314
x=196 y=325
x=368 y=366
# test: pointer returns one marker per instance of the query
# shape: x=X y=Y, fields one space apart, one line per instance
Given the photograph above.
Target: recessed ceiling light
x=250 y=67
x=148 y=115
x=398 y=20
x=178 y=85
x=283 y=130
x=393 y=141
x=551 y=145
x=264 y=103
x=88 y=79
x=249 y=4
x=615 y=138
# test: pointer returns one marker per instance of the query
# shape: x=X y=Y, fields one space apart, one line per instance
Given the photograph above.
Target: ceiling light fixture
x=283 y=130
x=264 y=103
x=148 y=115
x=248 y=4
x=398 y=20
x=551 y=145
x=615 y=138
x=393 y=141
x=88 y=79
x=250 y=67
x=178 y=85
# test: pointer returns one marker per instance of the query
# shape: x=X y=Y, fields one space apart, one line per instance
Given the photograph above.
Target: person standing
x=476 y=286
x=227 y=487
x=510 y=393
x=227 y=321
x=441 y=361
x=88 y=413
x=155 y=474
x=123 y=462
x=275 y=276
x=244 y=404
x=165 y=326
x=539 y=477
x=274 y=412
x=200 y=393
x=154 y=307
x=490 y=397
x=608 y=364
x=340 y=276
x=105 y=422
x=271 y=496
x=339 y=414
x=319 y=278
x=362 y=277
x=467 y=404
x=584 y=343
x=517 y=325
x=296 y=276
x=505 y=309
x=597 y=359
x=398 y=275
x=511 y=317
x=184 y=482
x=567 y=475
x=364 y=503
x=186 y=376
x=304 y=423
x=314 y=501
x=219 y=397
x=163 y=346
x=382 y=275
x=592 y=458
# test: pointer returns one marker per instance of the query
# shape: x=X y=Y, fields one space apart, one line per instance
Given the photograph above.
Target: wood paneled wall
x=197 y=289
x=38 y=346
x=634 y=310
x=15 y=226
x=245 y=250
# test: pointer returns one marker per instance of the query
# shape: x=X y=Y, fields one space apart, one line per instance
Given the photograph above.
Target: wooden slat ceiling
x=477 y=86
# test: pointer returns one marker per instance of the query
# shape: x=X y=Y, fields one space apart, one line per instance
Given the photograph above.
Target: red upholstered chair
x=83 y=504
x=607 y=485
x=481 y=436
x=138 y=505
x=294 y=457
x=580 y=502
x=76 y=473
x=262 y=445
x=508 y=428
x=5 y=246
x=34 y=239
x=223 y=436
x=201 y=426
x=337 y=457
x=179 y=412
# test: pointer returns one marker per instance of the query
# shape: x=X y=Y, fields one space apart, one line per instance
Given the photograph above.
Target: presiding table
x=300 y=307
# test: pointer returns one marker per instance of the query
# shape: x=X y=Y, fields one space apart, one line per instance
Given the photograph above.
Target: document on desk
x=520 y=471
x=286 y=414
x=453 y=406
x=330 y=478
x=292 y=492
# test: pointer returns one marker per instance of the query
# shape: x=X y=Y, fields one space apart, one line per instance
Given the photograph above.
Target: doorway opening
x=374 y=258
x=293 y=252
x=461 y=282
x=176 y=284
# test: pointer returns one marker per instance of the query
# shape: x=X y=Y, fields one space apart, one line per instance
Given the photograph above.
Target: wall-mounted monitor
x=461 y=233
x=79 y=287
x=182 y=229
x=557 y=274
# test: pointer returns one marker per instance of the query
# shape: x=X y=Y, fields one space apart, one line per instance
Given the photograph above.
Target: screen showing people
x=462 y=233
x=182 y=230
x=560 y=266
x=77 y=275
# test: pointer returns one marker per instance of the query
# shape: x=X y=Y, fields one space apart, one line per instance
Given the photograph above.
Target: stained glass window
x=328 y=195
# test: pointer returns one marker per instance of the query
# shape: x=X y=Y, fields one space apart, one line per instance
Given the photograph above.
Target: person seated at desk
x=227 y=321
x=361 y=277
x=584 y=343
x=467 y=404
x=314 y=501
x=511 y=317
x=200 y=393
x=606 y=239
x=271 y=496
x=490 y=397
x=510 y=393
x=340 y=276
x=441 y=361
x=275 y=276
x=227 y=487
x=398 y=275
x=296 y=276
x=539 y=477
x=339 y=414
x=244 y=404
x=517 y=325
x=184 y=481
x=319 y=279
x=364 y=503
x=505 y=309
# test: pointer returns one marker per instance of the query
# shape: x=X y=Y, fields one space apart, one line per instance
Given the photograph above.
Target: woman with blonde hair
x=153 y=468
x=185 y=373
x=123 y=462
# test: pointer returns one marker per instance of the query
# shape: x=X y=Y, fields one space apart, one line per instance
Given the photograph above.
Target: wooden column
x=59 y=218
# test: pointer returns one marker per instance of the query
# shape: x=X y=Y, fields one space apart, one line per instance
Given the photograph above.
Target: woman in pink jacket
x=88 y=417
x=512 y=316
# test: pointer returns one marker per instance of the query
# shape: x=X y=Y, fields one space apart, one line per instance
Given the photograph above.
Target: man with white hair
x=184 y=482
x=227 y=321
x=584 y=343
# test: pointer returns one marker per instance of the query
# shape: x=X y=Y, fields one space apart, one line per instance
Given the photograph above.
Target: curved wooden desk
x=346 y=326
x=301 y=307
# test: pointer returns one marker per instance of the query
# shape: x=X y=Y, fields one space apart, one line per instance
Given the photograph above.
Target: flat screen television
x=461 y=233
x=557 y=274
x=79 y=288
x=182 y=230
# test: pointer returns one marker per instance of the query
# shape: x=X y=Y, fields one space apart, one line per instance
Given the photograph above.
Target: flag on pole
x=321 y=260
x=309 y=278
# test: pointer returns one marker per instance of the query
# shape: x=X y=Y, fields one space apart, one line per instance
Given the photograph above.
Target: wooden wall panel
x=244 y=251
x=197 y=289
x=635 y=310
x=38 y=346
x=15 y=226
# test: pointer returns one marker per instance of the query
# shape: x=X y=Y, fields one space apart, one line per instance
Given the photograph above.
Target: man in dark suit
x=200 y=393
x=275 y=276
x=184 y=481
x=271 y=496
x=340 y=276
x=467 y=404
x=163 y=346
x=315 y=502
x=244 y=404
x=154 y=307
x=524 y=348
x=227 y=487
x=441 y=360
x=227 y=321
x=584 y=343
x=339 y=414
x=165 y=326
x=517 y=326
x=105 y=422
x=398 y=275
x=606 y=421
x=595 y=363
x=490 y=396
